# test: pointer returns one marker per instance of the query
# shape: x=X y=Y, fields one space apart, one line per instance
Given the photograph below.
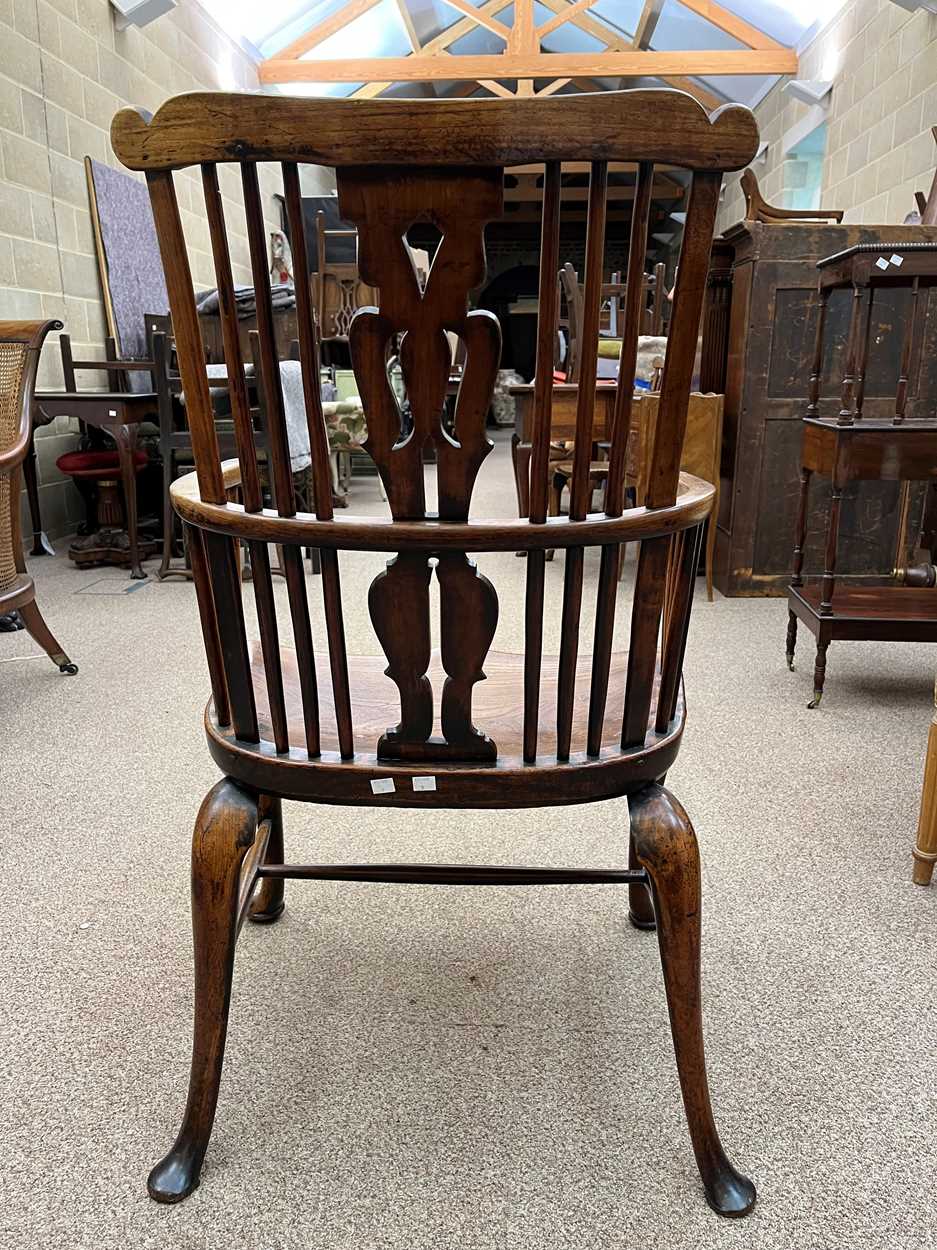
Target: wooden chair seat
x=498 y=711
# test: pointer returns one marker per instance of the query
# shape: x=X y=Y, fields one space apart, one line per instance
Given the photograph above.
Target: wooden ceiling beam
x=408 y=26
x=629 y=64
x=338 y=21
x=438 y=43
x=492 y=85
x=647 y=24
x=554 y=86
x=479 y=18
x=732 y=25
x=598 y=30
x=565 y=15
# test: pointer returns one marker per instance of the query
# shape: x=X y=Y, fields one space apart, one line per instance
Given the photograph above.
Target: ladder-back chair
x=539 y=732
x=20 y=345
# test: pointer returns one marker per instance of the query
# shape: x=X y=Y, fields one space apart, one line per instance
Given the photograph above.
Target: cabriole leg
x=267 y=904
x=665 y=845
x=224 y=832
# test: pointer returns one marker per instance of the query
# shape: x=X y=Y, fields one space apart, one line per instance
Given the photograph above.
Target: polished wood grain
x=457 y=727
x=669 y=128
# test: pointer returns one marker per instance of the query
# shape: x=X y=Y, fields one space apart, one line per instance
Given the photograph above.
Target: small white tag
x=896 y=259
x=881 y=263
x=424 y=783
x=112 y=412
x=382 y=785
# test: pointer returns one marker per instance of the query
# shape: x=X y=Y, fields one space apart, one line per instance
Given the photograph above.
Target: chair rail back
x=443 y=161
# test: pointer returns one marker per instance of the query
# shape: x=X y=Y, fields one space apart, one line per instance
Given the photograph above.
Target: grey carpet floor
x=414 y=1067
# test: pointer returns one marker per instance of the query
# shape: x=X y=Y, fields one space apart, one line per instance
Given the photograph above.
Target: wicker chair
x=20 y=344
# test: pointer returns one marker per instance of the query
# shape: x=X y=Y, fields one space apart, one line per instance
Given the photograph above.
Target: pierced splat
x=384 y=204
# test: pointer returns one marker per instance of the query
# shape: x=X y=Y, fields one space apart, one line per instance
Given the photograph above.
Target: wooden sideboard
x=770 y=338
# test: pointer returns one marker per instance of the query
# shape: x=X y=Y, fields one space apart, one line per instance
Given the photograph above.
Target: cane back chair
x=538 y=732
x=20 y=345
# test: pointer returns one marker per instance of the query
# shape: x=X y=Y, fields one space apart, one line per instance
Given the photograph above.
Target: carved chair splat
x=539 y=731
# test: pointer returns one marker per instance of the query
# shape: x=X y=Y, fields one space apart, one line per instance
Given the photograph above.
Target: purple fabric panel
x=134 y=268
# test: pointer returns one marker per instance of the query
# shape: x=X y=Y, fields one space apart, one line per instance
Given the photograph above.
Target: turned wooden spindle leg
x=665 y=845
x=819 y=672
x=791 y=641
x=816 y=371
x=925 y=852
x=907 y=347
x=828 y=584
x=847 y=410
x=863 y=352
x=800 y=535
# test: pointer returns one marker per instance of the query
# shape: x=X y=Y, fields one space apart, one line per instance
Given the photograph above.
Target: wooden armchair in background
x=758 y=209
x=540 y=731
x=20 y=345
x=613 y=300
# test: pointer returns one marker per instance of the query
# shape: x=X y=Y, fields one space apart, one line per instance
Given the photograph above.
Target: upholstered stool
x=109 y=542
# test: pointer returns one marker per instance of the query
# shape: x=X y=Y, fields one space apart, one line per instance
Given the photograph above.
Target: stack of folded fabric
x=282 y=295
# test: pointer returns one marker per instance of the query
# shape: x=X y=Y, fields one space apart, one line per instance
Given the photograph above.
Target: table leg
x=125 y=436
x=819 y=671
x=925 y=852
x=31 y=480
x=520 y=458
x=832 y=539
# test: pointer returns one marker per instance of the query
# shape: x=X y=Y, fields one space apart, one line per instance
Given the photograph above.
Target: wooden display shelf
x=855 y=447
x=883 y=613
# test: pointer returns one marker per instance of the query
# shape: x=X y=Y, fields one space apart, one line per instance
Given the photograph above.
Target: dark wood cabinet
x=771 y=334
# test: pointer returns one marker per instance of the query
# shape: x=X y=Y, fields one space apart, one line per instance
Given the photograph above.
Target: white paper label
x=881 y=263
x=424 y=783
x=382 y=785
x=896 y=259
x=112 y=412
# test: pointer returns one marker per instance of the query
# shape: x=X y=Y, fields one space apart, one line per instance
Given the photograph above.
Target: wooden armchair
x=20 y=345
x=757 y=207
x=540 y=732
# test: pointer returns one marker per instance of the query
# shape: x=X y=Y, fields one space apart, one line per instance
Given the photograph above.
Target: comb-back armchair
x=20 y=345
x=291 y=723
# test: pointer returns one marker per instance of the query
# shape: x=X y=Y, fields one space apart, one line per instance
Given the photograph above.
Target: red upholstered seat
x=96 y=464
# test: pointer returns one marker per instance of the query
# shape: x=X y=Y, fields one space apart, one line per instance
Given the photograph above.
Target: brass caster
x=815 y=701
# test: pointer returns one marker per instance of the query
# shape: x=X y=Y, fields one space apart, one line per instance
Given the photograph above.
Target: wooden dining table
x=562 y=426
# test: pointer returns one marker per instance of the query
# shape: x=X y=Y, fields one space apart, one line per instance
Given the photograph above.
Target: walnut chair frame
x=20 y=346
x=577 y=729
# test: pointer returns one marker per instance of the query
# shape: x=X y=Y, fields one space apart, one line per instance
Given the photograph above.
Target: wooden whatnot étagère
x=851 y=447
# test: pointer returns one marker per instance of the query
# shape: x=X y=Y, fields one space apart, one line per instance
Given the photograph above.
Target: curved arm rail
x=31 y=334
x=693 y=504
